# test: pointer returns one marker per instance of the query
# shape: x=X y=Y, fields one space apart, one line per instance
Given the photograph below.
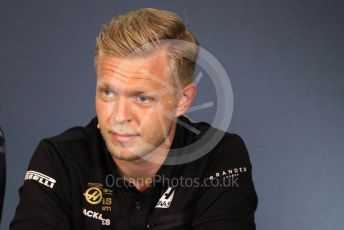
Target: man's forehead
x=137 y=83
x=137 y=79
x=145 y=66
x=158 y=53
x=148 y=69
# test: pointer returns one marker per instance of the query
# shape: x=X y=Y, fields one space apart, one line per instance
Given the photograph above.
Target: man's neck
x=139 y=172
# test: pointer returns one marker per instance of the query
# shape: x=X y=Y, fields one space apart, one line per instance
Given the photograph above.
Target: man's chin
x=126 y=157
x=126 y=154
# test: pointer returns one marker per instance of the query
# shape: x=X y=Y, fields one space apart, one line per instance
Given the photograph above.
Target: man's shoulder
x=229 y=159
x=71 y=146
x=224 y=150
x=75 y=134
x=233 y=148
x=225 y=145
x=75 y=142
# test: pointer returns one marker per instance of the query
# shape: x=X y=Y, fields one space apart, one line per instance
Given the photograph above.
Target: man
x=117 y=172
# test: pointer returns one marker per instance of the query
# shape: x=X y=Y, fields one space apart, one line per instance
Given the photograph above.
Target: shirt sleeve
x=44 y=197
x=228 y=199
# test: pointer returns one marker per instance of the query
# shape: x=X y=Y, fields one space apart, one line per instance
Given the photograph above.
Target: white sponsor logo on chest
x=166 y=199
x=96 y=216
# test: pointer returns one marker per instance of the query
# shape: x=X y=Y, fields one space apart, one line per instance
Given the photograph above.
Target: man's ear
x=186 y=97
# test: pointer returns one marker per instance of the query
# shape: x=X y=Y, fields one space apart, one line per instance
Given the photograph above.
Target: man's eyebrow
x=142 y=91
x=133 y=92
x=103 y=84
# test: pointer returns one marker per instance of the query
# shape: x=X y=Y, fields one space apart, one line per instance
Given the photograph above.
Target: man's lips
x=123 y=137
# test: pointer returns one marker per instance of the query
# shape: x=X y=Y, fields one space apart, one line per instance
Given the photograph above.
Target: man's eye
x=143 y=98
x=107 y=92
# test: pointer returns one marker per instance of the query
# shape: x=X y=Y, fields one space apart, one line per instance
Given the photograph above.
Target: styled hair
x=140 y=32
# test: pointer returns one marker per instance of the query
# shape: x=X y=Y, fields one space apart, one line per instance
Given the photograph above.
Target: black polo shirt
x=72 y=183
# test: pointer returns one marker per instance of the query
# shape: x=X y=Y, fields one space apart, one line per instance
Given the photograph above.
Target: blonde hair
x=141 y=30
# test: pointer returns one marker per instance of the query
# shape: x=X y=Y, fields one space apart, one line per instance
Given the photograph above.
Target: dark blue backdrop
x=285 y=60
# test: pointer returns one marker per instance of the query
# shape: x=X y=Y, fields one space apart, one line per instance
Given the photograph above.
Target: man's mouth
x=122 y=137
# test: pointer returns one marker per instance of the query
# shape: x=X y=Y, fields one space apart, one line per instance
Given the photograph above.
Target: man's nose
x=121 y=111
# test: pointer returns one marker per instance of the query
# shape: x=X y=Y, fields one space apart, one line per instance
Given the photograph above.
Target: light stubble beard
x=146 y=146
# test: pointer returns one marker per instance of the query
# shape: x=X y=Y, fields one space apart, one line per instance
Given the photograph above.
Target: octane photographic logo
x=209 y=66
